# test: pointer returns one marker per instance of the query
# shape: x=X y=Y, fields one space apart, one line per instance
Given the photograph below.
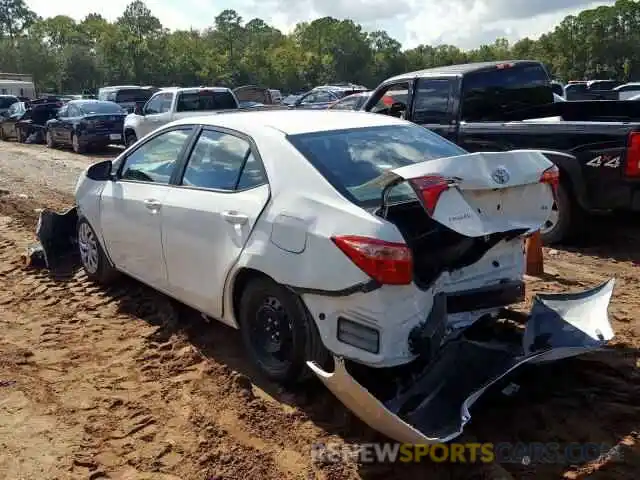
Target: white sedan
x=331 y=236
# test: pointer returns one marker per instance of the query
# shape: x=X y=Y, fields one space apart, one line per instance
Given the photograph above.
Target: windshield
x=137 y=95
x=89 y=108
x=351 y=159
x=205 y=100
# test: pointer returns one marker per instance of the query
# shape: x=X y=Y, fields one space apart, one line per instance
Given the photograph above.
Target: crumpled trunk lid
x=435 y=407
x=481 y=193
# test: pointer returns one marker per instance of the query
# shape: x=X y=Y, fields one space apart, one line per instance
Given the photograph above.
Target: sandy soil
x=126 y=384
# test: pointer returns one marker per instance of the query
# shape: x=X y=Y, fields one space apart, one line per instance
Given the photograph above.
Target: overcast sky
x=465 y=23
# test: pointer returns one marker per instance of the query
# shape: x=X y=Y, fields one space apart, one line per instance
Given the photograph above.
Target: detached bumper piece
x=435 y=408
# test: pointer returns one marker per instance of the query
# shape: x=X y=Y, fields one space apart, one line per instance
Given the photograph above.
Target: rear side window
x=489 y=93
x=221 y=161
x=351 y=159
x=205 y=100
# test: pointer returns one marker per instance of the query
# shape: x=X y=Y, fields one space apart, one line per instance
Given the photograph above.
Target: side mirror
x=138 y=110
x=100 y=172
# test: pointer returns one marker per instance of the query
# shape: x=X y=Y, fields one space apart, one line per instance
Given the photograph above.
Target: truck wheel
x=566 y=220
x=94 y=261
x=129 y=138
x=278 y=332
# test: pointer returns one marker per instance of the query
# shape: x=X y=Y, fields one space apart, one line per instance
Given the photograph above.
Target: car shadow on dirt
x=590 y=400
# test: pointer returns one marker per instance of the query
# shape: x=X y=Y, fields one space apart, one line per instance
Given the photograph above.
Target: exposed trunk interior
x=436 y=248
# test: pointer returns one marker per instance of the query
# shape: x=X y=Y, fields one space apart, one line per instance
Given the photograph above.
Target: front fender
x=435 y=407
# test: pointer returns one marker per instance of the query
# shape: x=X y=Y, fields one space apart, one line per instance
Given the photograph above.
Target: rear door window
x=221 y=161
x=487 y=94
x=205 y=100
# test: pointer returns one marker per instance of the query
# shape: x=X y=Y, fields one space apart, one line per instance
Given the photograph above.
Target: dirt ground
x=126 y=384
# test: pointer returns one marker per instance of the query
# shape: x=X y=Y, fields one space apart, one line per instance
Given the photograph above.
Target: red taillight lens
x=551 y=176
x=430 y=188
x=632 y=168
x=387 y=262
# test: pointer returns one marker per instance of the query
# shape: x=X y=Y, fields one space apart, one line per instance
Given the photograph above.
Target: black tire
x=130 y=138
x=49 y=139
x=263 y=300
x=99 y=269
x=570 y=218
x=76 y=145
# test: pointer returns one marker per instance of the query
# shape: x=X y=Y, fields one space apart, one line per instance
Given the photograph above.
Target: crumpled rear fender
x=435 y=408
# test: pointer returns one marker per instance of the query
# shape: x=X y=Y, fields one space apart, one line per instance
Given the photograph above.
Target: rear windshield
x=6 y=102
x=351 y=159
x=205 y=100
x=487 y=94
x=89 y=108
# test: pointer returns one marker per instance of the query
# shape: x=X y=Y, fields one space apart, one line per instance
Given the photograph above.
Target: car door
x=208 y=218
x=432 y=106
x=131 y=206
x=157 y=112
x=66 y=126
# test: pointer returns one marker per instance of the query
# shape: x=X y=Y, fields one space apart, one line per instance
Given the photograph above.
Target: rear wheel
x=94 y=261
x=278 y=332
x=566 y=220
x=49 y=139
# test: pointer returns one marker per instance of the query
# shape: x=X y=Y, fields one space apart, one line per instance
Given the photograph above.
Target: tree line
x=66 y=56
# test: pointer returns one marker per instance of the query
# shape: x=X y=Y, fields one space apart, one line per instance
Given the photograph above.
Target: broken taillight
x=632 y=168
x=429 y=188
x=551 y=176
x=389 y=263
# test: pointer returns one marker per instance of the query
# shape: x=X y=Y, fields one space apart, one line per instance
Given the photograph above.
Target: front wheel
x=566 y=219
x=77 y=146
x=278 y=332
x=94 y=261
x=130 y=138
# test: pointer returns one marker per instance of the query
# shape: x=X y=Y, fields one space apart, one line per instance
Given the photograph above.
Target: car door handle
x=152 y=204
x=234 y=217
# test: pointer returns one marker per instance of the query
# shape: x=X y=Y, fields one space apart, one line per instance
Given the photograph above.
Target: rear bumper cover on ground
x=436 y=407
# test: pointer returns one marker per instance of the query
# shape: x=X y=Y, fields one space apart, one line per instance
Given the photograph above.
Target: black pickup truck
x=508 y=105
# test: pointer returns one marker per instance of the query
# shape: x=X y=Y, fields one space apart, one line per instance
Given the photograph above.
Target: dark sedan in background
x=83 y=124
x=326 y=95
x=351 y=102
x=25 y=118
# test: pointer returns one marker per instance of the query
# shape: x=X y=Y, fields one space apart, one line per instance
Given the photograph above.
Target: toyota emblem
x=500 y=175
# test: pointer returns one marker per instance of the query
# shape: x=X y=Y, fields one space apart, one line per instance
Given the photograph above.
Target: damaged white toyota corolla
x=343 y=243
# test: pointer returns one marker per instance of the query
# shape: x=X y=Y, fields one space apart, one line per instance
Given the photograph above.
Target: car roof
x=458 y=70
x=293 y=122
